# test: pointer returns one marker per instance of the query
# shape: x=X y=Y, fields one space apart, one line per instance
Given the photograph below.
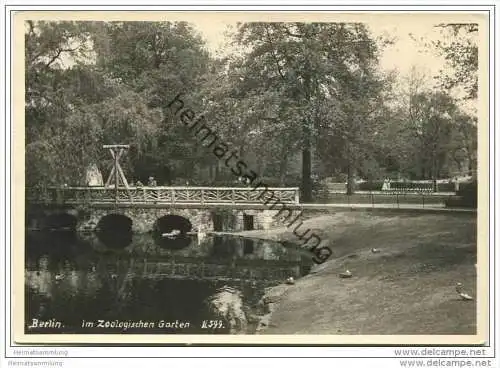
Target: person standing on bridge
x=151 y=182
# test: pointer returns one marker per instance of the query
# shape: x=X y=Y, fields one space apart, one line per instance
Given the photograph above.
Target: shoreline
x=400 y=290
x=273 y=294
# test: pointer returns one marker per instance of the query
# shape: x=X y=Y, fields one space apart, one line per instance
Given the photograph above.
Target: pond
x=84 y=284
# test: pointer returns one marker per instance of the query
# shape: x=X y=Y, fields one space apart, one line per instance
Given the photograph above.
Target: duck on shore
x=345 y=274
x=459 y=290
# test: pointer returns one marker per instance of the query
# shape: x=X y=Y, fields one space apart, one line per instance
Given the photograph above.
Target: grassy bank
x=406 y=288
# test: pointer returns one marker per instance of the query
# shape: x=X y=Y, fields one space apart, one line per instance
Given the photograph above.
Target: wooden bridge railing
x=203 y=195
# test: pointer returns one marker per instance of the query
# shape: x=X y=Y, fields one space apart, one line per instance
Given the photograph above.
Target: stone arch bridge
x=207 y=209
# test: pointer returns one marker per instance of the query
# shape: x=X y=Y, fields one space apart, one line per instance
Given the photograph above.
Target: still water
x=74 y=283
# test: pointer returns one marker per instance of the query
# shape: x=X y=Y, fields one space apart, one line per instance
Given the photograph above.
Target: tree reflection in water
x=75 y=279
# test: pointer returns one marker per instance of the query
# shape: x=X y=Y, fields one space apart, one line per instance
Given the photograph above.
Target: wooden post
x=117 y=150
x=116 y=180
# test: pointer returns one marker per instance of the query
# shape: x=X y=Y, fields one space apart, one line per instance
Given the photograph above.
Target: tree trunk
x=434 y=173
x=470 y=164
x=351 y=184
x=458 y=162
x=283 y=166
x=306 y=191
x=306 y=175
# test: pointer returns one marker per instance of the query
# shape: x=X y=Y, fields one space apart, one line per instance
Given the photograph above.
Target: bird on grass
x=459 y=290
x=345 y=274
x=375 y=250
x=290 y=281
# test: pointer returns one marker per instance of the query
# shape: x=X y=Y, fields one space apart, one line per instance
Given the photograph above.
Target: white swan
x=171 y=234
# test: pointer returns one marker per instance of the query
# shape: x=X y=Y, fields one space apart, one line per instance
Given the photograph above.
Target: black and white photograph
x=251 y=176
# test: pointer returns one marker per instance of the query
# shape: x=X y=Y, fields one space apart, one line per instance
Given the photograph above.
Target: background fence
x=386 y=199
x=406 y=186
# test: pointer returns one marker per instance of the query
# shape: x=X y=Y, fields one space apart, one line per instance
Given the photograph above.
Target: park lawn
x=407 y=288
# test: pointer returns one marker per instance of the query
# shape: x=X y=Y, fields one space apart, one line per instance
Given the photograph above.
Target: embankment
x=405 y=286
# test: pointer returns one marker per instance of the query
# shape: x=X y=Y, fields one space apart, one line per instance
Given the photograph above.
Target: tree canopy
x=299 y=102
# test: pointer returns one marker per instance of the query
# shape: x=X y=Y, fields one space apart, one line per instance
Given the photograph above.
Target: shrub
x=446 y=187
x=466 y=196
x=370 y=185
x=468 y=193
x=320 y=191
x=270 y=182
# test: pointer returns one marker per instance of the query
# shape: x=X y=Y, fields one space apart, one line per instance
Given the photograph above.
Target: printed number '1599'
x=212 y=324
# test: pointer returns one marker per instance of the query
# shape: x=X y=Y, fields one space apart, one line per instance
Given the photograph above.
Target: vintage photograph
x=229 y=174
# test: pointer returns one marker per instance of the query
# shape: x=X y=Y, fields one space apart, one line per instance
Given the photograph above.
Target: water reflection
x=79 y=280
x=171 y=231
x=175 y=242
x=115 y=240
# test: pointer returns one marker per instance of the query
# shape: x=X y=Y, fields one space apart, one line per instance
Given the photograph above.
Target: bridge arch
x=115 y=230
x=60 y=221
x=171 y=231
x=142 y=218
x=170 y=222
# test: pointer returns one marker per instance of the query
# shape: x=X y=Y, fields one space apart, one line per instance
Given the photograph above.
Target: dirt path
x=406 y=288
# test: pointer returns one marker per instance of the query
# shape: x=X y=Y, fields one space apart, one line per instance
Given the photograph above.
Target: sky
x=402 y=55
x=409 y=32
x=410 y=35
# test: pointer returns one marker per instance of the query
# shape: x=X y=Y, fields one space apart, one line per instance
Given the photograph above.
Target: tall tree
x=432 y=125
x=92 y=83
x=51 y=94
x=158 y=60
x=292 y=71
x=459 y=47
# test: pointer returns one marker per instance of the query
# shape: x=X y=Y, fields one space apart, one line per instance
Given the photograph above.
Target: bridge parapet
x=167 y=195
